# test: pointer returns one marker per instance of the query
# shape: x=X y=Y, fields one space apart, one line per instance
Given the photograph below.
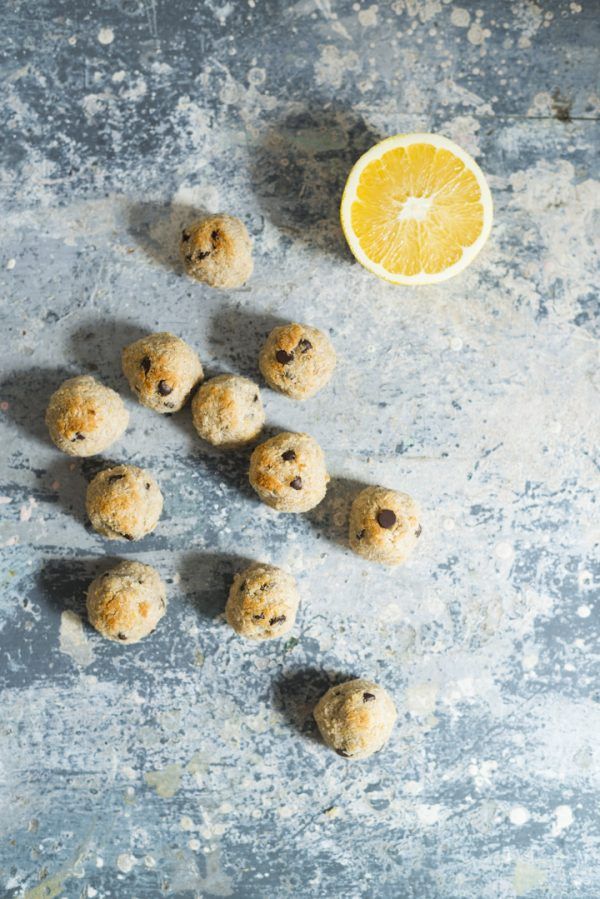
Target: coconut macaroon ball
x=297 y=360
x=288 y=472
x=228 y=411
x=84 y=417
x=263 y=602
x=384 y=525
x=124 y=502
x=356 y=718
x=162 y=371
x=217 y=250
x=126 y=603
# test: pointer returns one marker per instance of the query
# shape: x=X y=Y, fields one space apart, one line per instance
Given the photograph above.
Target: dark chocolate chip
x=304 y=346
x=343 y=753
x=296 y=484
x=147 y=486
x=419 y=531
x=368 y=697
x=121 y=636
x=189 y=257
x=164 y=388
x=169 y=405
x=386 y=518
x=215 y=235
x=115 y=477
x=78 y=436
x=279 y=619
x=255 y=400
x=202 y=255
x=258 y=617
x=146 y=364
x=185 y=236
x=360 y=534
x=283 y=357
x=128 y=537
x=288 y=456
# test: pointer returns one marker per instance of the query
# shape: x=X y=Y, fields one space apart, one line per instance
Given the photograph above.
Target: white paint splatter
x=186 y=823
x=106 y=36
x=518 y=816
x=428 y=814
x=584 y=611
x=125 y=862
x=368 y=17
x=72 y=639
x=504 y=550
x=421 y=698
x=119 y=76
x=460 y=17
x=563 y=816
x=11 y=264
x=477 y=35
x=26 y=510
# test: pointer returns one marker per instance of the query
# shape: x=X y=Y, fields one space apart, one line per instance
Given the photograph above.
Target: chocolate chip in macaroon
x=115 y=477
x=288 y=456
x=202 y=255
x=360 y=534
x=368 y=697
x=304 y=345
x=169 y=406
x=146 y=364
x=78 y=436
x=279 y=619
x=255 y=400
x=121 y=636
x=215 y=235
x=185 y=237
x=419 y=531
x=164 y=388
x=386 y=518
x=296 y=484
x=283 y=357
x=128 y=537
x=258 y=617
x=343 y=752
x=147 y=486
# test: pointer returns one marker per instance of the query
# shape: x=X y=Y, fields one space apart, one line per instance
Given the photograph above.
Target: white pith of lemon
x=416 y=209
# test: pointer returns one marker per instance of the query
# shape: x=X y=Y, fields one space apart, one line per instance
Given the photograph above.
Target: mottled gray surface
x=187 y=765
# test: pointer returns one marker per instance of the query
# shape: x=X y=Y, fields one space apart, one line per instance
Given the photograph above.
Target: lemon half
x=416 y=209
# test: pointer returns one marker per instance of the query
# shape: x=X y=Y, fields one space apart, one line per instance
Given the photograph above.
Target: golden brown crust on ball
x=288 y=472
x=84 y=417
x=356 y=718
x=162 y=371
x=228 y=411
x=384 y=525
x=126 y=603
x=124 y=502
x=263 y=602
x=218 y=251
x=297 y=360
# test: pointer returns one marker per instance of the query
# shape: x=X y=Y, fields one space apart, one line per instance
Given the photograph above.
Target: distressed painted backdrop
x=188 y=765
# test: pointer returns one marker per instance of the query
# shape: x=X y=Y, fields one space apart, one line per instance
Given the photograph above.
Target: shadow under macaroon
x=63 y=583
x=97 y=345
x=296 y=693
x=330 y=519
x=157 y=227
x=299 y=167
x=206 y=578
x=236 y=336
x=28 y=392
